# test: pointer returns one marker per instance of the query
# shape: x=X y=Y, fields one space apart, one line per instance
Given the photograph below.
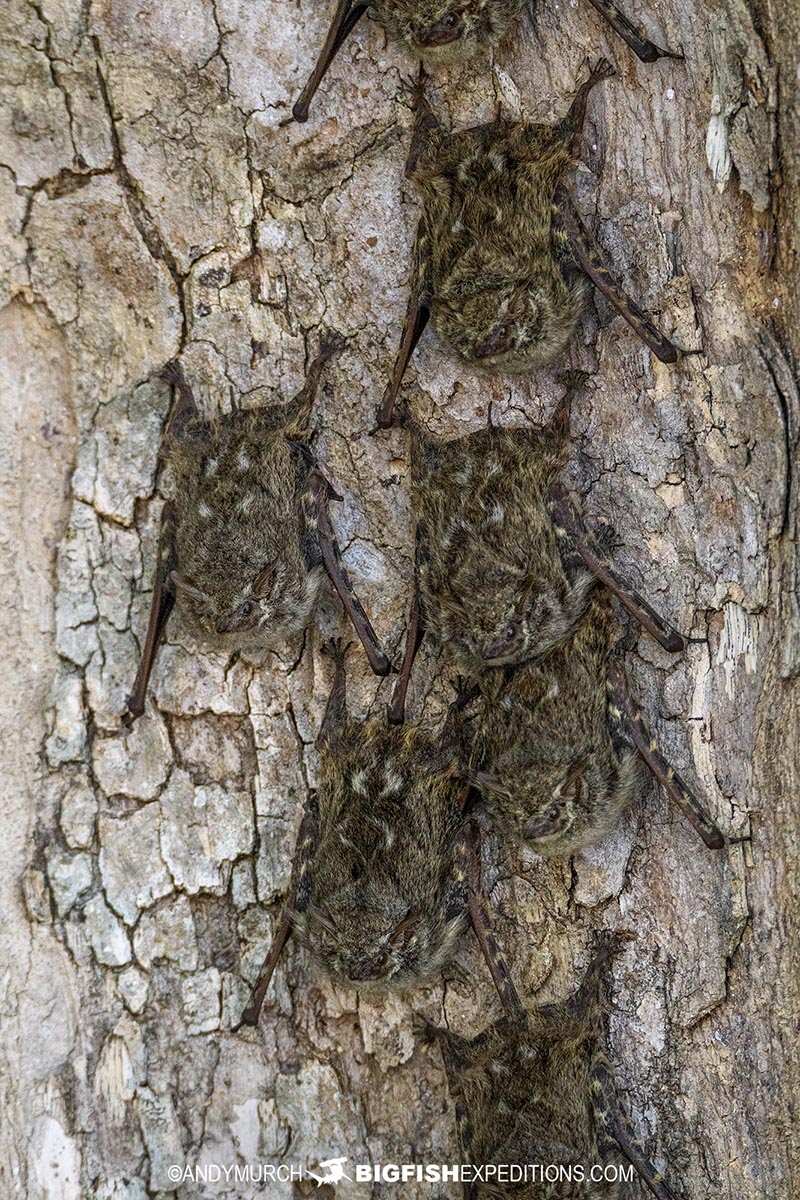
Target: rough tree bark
x=153 y=206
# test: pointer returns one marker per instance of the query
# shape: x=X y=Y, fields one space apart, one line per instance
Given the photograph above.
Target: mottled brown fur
x=247 y=533
x=444 y=31
x=500 y=281
x=237 y=487
x=542 y=1093
x=493 y=586
x=385 y=905
x=441 y=32
x=548 y=767
x=384 y=900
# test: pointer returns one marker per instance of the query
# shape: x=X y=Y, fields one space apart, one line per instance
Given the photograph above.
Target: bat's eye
x=503 y=331
x=553 y=813
x=449 y=21
x=511 y=632
x=247 y=608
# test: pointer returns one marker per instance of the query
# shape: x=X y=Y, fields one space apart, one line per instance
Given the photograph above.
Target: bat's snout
x=498 y=342
x=440 y=33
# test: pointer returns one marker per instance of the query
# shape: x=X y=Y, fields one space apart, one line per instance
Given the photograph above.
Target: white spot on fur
x=212 y=466
x=203 y=510
x=243 y=459
x=358 y=782
x=393 y=783
x=246 y=503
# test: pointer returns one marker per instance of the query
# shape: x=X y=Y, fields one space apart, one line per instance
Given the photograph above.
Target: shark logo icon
x=334 y=1169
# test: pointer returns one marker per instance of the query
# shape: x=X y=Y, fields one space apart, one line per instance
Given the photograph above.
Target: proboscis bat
x=448 y=31
x=247 y=535
x=505 y=566
x=557 y=744
x=501 y=256
x=540 y=1093
x=386 y=875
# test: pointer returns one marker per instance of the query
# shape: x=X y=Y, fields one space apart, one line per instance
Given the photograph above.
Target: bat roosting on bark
x=539 y=1093
x=247 y=536
x=505 y=574
x=501 y=256
x=448 y=31
x=558 y=743
x=505 y=566
x=386 y=872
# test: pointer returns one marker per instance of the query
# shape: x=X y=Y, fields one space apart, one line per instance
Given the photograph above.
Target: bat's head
x=240 y=604
x=524 y=619
x=500 y=319
x=447 y=31
x=367 y=936
x=556 y=808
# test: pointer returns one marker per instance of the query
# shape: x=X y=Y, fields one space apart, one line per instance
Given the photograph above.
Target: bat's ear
x=187 y=588
x=264 y=582
x=485 y=781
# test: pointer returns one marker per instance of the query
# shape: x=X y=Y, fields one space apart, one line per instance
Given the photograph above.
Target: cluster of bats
x=543 y=739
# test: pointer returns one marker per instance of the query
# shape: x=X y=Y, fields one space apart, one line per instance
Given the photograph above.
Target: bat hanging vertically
x=246 y=538
x=505 y=565
x=504 y=582
x=501 y=257
x=540 y=1094
x=558 y=741
x=448 y=31
x=386 y=875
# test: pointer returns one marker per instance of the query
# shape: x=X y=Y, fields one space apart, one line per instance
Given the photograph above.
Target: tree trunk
x=153 y=206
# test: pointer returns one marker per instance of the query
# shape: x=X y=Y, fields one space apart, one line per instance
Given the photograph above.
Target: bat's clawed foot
x=599 y=71
x=173 y=373
x=393 y=412
x=607 y=943
x=652 y=52
x=248 y=1020
x=575 y=380
x=129 y=717
x=415 y=86
x=424 y=1030
x=466 y=690
x=331 y=342
x=336 y=648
